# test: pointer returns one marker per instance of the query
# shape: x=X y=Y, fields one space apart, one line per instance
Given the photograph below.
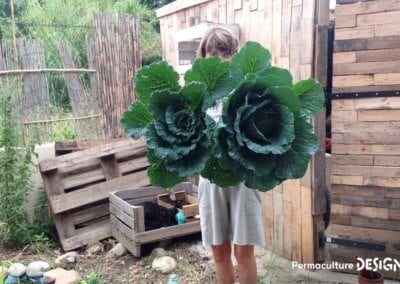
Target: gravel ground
x=194 y=265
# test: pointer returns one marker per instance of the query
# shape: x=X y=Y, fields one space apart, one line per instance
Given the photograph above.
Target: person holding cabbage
x=229 y=215
x=239 y=123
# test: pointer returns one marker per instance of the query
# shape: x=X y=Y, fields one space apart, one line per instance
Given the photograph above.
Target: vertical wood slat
x=64 y=224
x=278 y=220
x=110 y=167
x=268 y=219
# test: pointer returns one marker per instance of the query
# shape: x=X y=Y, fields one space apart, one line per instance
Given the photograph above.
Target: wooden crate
x=191 y=207
x=127 y=218
x=77 y=186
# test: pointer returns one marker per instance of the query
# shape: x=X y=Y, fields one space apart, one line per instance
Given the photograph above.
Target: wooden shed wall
x=367 y=47
x=286 y=28
x=366 y=131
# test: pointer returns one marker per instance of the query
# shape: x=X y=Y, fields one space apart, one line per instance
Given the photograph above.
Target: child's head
x=218 y=42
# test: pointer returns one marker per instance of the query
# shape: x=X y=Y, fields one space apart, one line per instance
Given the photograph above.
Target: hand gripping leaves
x=263 y=139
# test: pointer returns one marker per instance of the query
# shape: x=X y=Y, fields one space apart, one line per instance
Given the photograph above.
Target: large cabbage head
x=172 y=118
x=265 y=137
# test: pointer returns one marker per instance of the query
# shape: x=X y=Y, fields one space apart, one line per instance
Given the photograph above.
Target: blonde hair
x=218 y=40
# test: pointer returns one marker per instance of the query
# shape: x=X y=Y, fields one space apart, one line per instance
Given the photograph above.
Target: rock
x=61 y=276
x=157 y=252
x=17 y=269
x=95 y=249
x=37 y=268
x=164 y=264
x=66 y=259
x=117 y=251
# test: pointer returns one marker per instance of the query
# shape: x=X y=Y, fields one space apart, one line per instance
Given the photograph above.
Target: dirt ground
x=194 y=265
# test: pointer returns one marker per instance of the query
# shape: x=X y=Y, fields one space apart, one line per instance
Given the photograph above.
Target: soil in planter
x=156 y=216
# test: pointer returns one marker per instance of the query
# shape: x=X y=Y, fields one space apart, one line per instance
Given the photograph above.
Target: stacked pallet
x=77 y=187
x=366 y=131
x=367 y=46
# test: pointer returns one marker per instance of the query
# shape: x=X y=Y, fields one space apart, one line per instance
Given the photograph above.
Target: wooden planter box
x=127 y=218
x=191 y=207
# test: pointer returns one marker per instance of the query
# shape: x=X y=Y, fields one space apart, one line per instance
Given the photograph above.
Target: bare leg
x=223 y=263
x=247 y=264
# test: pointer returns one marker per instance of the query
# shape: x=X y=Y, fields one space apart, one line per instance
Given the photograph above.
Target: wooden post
x=318 y=177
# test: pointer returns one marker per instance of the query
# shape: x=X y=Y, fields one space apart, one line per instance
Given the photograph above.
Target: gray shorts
x=233 y=213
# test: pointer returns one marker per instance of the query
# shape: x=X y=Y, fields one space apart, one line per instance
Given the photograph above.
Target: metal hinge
x=348 y=243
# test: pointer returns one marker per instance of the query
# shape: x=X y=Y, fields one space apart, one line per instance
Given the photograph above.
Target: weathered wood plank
x=387 y=79
x=393 y=192
x=378 y=103
x=97 y=192
x=115 y=222
x=392 y=54
x=374 y=201
x=346 y=21
x=367 y=43
x=278 y=221
x=98 y=175
x=177 y=6
x=356 y=32
x=352 y=80
x=367 y=191
x=366 y=89
x=118 y=213
x=91 y=213
x=371 y=212
x=379 y=115
x=366 y=68
x=351 y=180
x=92 y=233
x=344 y=116
x=394 y=214
x=355 y=170
x=167 y=232
x=387 y=17
x=268 y=219
x=391 y=161
x=366 y=127
x=54 y=186
x=340 y=105
x=96 y=152
x=341 y=219
x=295 y=41
x=345 y=57
x=362 y=160
x=366 y=7
x=382 y=181
x=307 y=232
x=285 y=27
x=296 y=225
x=387 y=30
x=361 y=149
x=375 y=223
x=287 y=229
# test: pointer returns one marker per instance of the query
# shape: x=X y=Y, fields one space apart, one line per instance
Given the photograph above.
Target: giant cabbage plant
x=172 y=118
x=263 y=138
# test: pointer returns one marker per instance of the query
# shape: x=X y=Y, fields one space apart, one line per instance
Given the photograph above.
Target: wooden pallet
x=127 y=218
x=77 y=187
